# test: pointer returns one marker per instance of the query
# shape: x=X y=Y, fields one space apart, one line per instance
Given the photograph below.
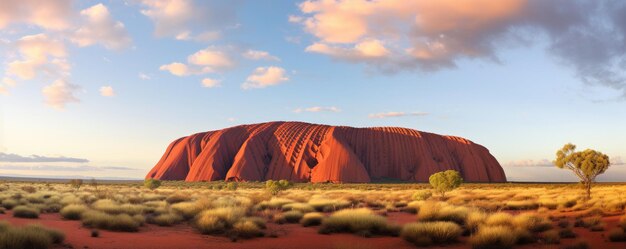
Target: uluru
x=303 y=152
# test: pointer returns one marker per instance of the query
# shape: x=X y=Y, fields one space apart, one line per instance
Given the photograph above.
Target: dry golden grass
x=480 y=210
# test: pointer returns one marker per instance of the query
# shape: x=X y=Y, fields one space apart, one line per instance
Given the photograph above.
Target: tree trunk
x=588 y=186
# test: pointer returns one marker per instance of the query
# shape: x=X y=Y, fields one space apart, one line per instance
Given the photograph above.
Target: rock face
x=303 y=152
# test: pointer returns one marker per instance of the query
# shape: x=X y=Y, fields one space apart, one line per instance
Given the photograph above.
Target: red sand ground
x=289 y=236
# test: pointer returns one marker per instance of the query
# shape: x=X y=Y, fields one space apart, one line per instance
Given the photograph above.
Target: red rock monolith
x=302 y=152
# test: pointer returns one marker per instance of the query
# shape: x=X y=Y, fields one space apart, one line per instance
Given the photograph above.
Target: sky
x=100 y=88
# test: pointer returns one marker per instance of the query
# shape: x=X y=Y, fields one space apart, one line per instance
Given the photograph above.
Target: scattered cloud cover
x=209 y=60
x=99 y=27
x=107 y=91
x=43 y=56
x=60 y=93
x=317 y=109
x=15 y=158
x=190 y=20
x=40 y=55
x=263 y=77
x=52 y=15
x=396 y=114
x=395 y=35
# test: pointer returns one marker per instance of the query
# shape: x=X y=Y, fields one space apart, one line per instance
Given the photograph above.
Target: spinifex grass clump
x=29 y=236
x=165 y=219
x=118 y=222
x=26 y=212
x=493 y=237
x=73 y=211
x=441 y=211
x=360 y=221
x=428 y=233
x=312 y=219
x=219 y=220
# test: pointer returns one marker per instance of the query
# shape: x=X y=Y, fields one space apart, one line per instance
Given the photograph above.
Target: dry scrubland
x=473 y=216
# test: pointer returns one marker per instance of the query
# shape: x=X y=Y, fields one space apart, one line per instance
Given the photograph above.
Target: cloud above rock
x=263 y=77
x=586 y=36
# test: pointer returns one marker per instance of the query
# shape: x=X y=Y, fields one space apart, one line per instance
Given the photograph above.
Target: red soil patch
x=289 y=236
x=183 y=236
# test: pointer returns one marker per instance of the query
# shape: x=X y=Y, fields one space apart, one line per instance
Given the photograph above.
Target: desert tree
x=94 y=184
x=76 y=183
x=445 y=181
x=587 y=164
x=152 y=183
x=275 y=187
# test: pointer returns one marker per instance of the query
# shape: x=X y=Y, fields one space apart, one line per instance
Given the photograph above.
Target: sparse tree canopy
x=275 y=187
x=152 y=183
x=587 y=164
x=76 y=183
x=445 y=181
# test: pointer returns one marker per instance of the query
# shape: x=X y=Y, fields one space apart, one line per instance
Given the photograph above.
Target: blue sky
x=512 y=78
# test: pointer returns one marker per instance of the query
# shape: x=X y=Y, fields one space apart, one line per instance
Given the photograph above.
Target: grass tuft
x=360 y=221
x=427 y=233
x=493 y=237
x=25 y=212
x=312 y=219
x=73 y=211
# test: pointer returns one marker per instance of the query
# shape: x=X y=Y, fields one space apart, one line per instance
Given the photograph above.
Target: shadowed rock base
x=303 y=152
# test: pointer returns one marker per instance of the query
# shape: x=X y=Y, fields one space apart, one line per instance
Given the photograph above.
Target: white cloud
x=107 y=91
x=209 y=60
x=211 y=83
x=39 y=53
x=259 y=55
x=50 y=15
x=169 y=16
x=211 y=57
x=396 y=114
x=396 y=35
x=265 y=76
x=231 y=119
x=176 y=68
x=190 y=20
x=144 y=76
x=3 y=90
x=99 y=27
x=317 y=109
x=366 y=50
x=60 y=93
